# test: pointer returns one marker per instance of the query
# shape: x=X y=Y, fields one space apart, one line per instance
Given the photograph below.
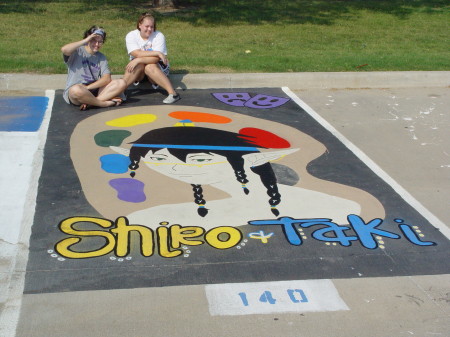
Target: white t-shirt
x=156 y=42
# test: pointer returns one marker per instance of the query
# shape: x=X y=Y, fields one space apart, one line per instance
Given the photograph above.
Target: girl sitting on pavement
x=89 y=78
x=147 y=49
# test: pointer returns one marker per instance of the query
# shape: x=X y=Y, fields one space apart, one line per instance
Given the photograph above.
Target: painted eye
x=201 y=160
x=157 y=159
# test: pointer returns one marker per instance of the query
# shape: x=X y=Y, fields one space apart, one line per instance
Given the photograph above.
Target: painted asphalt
x=398 y=120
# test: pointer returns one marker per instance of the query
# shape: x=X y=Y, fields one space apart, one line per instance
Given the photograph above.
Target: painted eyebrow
x=158 y=154
x=199 y=155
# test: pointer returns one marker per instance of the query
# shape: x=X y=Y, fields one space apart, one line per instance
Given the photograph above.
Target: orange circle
x=200 y=117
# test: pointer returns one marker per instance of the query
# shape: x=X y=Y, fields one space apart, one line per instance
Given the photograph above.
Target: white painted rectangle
x=16 y=159
x=273 y=297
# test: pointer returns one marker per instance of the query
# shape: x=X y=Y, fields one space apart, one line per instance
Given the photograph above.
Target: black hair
x=210 y=137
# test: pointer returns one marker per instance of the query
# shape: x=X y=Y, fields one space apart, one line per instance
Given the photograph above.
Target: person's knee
x=137 y=75
x=151 y=68
x=137 y=71
x=120 y=84
x=77 y=91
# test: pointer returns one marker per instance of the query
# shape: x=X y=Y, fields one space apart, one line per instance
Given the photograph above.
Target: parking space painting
x=227 y=186
x=22 y=114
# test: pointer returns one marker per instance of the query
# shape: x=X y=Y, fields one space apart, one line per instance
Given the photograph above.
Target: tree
x=165 y=3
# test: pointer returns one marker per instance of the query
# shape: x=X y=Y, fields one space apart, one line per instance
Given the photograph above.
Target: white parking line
x=22 y=169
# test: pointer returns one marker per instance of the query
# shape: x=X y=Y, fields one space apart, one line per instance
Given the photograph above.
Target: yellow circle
x=234 y=237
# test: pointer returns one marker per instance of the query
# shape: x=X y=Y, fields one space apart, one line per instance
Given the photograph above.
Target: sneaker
x=136 y=83
x=123 y=96
x=171 y=99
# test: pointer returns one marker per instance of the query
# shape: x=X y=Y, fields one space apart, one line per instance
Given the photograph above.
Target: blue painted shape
x=412 y=236
x=291 y=294
x=115 y=163
x=266 y=297
x=22 y=113
x=244 y=299
x=366 y=231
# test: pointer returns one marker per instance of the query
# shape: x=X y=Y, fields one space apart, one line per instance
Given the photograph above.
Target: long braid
x=135 y=157
x=275 y=198
x=269 y=180
x=266 y=175
x=237 y=163
x=133 y=167
x=242 y=178
x=198 y=198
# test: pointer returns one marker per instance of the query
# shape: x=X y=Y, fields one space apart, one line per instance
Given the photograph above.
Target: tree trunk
x=165 y=3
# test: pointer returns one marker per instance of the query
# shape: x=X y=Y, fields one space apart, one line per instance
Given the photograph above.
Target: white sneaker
x=123 y=96
x=171 y=99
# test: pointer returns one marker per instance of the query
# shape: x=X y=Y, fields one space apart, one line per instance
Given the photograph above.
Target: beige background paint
x=160 y=189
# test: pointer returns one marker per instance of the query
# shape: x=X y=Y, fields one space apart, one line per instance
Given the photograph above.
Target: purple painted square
x=130 y=190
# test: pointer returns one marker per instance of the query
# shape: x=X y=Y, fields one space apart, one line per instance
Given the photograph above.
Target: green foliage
x=238 y=35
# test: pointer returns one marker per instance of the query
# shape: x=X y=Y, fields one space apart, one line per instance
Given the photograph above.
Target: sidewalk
x=400 y=120
x=295 y=81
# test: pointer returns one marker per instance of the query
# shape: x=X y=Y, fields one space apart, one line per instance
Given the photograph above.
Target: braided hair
x=196 y=137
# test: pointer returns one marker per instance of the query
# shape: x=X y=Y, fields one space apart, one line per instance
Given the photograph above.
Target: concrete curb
x=295 y=81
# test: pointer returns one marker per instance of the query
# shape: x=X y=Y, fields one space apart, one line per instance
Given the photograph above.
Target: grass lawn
x=238 y=36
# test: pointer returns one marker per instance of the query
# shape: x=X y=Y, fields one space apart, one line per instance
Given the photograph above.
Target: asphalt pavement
x=398 y=120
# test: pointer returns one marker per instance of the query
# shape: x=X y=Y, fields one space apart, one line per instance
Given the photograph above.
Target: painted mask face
x=199 y=168
x=233 y=98
x=261 y=101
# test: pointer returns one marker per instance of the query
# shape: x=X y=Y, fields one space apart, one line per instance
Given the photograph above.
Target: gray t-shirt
x=84 y=68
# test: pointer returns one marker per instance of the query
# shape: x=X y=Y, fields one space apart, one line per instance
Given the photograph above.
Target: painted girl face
x=146 y=28
x=199 y=168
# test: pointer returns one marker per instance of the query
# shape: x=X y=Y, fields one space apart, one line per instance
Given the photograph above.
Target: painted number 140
x=295 y=295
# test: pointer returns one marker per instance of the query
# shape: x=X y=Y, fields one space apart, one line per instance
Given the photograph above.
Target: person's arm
x=105 y=74
x=70 y=48
x=145 y=57
x=101 y=82
x=139 y=56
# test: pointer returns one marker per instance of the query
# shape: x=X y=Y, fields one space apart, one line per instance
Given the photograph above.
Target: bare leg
x=113 y=89
x=116 y=87
x=136 y=75
x=155 y=74
x=78 y=94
